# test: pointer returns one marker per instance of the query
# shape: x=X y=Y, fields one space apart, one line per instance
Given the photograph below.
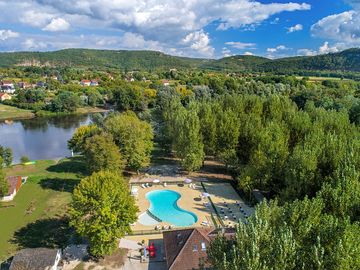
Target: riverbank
x=37 y=215
x=12 y=113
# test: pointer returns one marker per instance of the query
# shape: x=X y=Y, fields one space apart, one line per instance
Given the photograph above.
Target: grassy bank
x=82 y=110
x=36 y=216
x=9 y=112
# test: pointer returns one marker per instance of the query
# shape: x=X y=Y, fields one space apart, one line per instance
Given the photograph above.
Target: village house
x=14 y=182
x=165 y=82
x=186 y=249
x=4 y=96
x=24 y=85
x=89 y=82
x=7 y=87
x=36 y=259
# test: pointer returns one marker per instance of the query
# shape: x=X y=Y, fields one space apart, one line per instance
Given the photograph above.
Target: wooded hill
x=348 y=60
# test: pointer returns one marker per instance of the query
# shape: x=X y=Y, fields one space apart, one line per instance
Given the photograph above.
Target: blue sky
x=197 y=28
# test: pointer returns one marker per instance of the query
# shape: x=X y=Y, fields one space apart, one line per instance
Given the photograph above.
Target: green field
x=9 y=112
x=36 y=216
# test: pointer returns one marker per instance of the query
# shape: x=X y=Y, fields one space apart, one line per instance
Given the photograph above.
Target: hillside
x=348 y=60
x=133 y=60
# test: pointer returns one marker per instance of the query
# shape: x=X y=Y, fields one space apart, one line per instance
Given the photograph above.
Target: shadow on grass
x=49 y=233
x=59 y=184
x=74 y=165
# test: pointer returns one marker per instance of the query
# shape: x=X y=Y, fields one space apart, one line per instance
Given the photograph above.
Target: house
x=4 y=96
x=7 y=83
x=36 y=259
x=85 y=82
x=15 y=183
x=40 y=84
x=94 y=83
x=186 y=249
x=24 y=85
x=165 y=82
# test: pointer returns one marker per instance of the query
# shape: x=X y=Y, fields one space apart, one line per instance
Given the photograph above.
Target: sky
x=192 y=28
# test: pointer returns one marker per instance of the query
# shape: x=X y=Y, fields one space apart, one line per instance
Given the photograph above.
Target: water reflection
x=40 y=138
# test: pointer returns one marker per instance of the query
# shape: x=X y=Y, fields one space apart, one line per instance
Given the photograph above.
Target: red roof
x=3 y=94
x=6 y=82
x=184 y=249
x=85 y=81
x=14 y=183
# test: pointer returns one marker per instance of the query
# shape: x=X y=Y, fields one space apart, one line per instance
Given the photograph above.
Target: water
x=163 y=204
x=40 y=138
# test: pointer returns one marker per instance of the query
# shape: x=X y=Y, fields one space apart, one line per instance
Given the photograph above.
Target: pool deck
x=228 y=203
x=190 y=201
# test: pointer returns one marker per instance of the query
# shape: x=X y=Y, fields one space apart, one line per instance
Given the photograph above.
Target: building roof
x=14 y=183
x=6 y=82
x=179 y=247
x=34 y=259
x=3 y=94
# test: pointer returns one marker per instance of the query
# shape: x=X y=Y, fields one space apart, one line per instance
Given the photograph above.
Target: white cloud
x=35 y=18
x=248 y=53
x=226 y=52
x=295 y=28
x=200 y=42
x=31 y=44
x=306 y=52
x=6 y=34
x=56 y=25
x=241 y=45
x=342 y=28
x=277 y=48
x=323 y=49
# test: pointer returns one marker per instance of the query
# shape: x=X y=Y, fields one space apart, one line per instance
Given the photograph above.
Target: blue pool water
x=163 y=204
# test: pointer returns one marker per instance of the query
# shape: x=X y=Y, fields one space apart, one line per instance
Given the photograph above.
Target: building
x=4 y=96
x=85 y=82
x=7 y=83
x=36 y=259
x=94 y=83
x=165 y=83
x=15 y=183
x=186 y=249
x=24 y=85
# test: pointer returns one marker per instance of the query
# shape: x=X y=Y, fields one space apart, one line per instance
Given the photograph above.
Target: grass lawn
x=9 y=112
x=36 y=216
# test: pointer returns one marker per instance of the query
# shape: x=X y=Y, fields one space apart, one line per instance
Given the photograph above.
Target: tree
x=188 y=141
x=77 y=142
x=134 y=138
x=65 y=101
x=101 y=153
x=24 y=159
x=4 y=186
x=102 y=211
x=7 y=155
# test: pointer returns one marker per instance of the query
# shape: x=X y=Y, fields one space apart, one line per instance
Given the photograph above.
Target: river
x=42 y=137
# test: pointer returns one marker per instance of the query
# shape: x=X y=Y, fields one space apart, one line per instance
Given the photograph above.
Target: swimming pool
x=163 y=205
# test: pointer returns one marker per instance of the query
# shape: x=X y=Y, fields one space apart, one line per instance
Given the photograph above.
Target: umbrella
x=156 y=181
x=205 y=194
x=187 y=181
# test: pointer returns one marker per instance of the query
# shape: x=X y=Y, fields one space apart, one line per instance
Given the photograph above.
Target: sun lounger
x=147 y=185
x=165 y=184
x=143 y=186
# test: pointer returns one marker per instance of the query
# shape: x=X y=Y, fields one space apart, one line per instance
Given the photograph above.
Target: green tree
x=7 y=155
x=65 y=101
x=4 y=186
x=102 y=211
x=101 y=153
x=188 y=141
x=134 y=138
x=77 y=142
